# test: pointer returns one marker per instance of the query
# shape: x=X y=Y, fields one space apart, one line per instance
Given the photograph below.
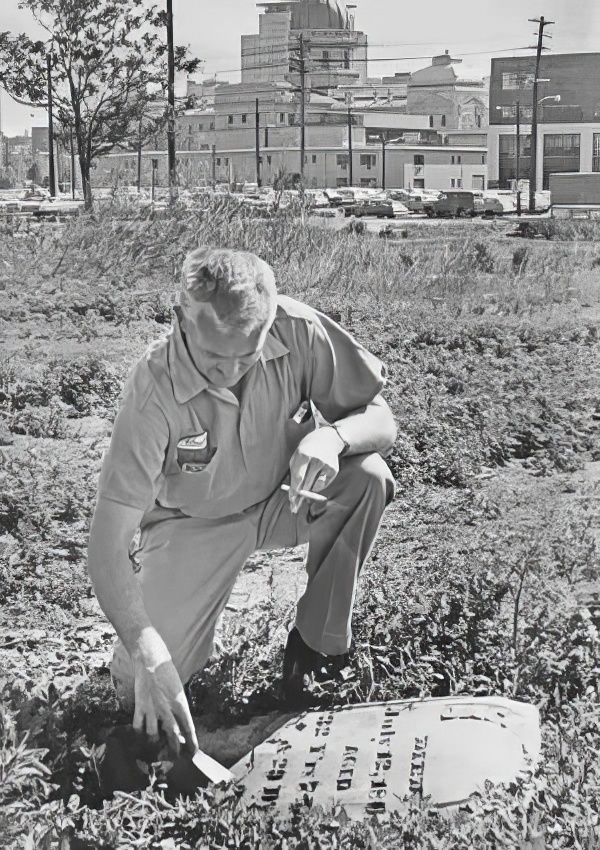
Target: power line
x=284 y=61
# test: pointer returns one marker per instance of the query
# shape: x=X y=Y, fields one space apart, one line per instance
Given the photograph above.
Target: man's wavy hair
x=239 y=285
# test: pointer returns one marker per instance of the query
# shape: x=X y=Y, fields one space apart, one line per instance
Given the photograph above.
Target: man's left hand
x=314 y=464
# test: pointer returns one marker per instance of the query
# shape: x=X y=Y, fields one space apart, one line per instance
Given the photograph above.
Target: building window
x=459 y=159
x=483 y=159
x=230 y=119
x=269 y=158
x=341 y=181
x=596 y=152
x=419 y=183
x=226 y=161
x=341 y=160
x=512 y=80
x=443 y=120
x=326 y=54
x=314 y=158
x=204 y=147
x=419 y=159
x=212 y=125
x=368 y=182
x=510 y=112
x=282 y=117
x=200 y=127
x=431 y=120
x=368 y=160
x=561 y=153
x=218 y=160
x=244 y=119
x=507 y=159
x=456 y=182
x=452 y=158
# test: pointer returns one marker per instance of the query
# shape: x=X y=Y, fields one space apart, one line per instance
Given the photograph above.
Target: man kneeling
x=248 y=391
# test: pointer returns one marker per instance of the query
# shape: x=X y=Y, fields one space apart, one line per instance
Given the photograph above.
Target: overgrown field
x=479 y=583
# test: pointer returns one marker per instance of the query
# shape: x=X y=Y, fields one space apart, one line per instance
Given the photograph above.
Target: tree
x=33 y=173
x=108 y=71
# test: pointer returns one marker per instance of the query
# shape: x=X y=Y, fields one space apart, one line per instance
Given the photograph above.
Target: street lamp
x=385 y=142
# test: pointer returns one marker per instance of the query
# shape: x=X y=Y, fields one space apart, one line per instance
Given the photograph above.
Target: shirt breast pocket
x=194 y=454
x=189 y=477
x=303 y=421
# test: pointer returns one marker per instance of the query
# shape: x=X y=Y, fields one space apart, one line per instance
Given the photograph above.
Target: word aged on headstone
x=370 y=757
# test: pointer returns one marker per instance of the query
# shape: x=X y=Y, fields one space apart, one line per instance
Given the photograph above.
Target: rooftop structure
x=455 y=102
x=313 y=14
x=320 y=32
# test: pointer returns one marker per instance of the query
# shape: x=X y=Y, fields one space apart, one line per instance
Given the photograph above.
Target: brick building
x=568 y=129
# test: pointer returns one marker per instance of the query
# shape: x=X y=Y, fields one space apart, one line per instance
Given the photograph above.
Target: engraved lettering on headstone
x=344 y=780
x=324 y=721
x=278 y=771
x=417 y=766
x=270 y=793
x=375 y=807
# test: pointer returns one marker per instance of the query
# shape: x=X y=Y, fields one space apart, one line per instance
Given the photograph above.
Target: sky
x=472 y=30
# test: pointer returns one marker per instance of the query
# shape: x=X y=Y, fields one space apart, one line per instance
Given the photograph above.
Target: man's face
x=222 y=354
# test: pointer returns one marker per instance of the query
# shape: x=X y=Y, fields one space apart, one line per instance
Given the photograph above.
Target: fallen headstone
x=369 y=757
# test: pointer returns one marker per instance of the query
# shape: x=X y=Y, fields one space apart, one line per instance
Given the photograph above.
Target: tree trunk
x=84 y=167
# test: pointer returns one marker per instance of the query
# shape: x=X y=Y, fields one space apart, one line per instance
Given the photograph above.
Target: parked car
x=413 y=201
x=316 y=198
x=498 y=204
x=460 y=203
x=59 y=206
x=371 y=206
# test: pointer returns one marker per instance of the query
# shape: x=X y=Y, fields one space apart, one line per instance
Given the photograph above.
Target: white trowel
x=211 y=768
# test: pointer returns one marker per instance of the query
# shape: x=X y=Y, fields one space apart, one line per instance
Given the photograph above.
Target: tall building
x=453 y=101
x=568 y=137
x=319 y=33
x=305 y=100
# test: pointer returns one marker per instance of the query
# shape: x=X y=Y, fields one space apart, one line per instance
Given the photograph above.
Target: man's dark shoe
x=301 y=664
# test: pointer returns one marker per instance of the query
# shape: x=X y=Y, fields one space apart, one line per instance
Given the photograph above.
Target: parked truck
x=575 y=195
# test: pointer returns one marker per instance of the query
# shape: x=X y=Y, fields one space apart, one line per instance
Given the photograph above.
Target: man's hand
x=159 y=696
x=314 y=464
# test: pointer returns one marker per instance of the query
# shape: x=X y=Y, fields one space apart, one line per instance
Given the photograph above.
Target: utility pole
x=139 y=158
x=542 y=22
x=172 y=164
x=383 y=160
x=518 y=116
x=302 y=108
x=257 y=143
x=72 y=166
x=51 y=175
x=350 y=176
x=213 y=159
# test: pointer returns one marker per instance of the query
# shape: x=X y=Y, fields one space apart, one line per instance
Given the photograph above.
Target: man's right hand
x=159 y=697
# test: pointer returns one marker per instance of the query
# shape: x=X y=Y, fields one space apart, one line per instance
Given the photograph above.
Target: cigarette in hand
x=307 y=494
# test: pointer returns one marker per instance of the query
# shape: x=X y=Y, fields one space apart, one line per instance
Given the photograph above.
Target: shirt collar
x=186 y=379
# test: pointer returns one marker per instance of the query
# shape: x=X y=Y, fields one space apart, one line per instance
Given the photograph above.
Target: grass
x=474 y=585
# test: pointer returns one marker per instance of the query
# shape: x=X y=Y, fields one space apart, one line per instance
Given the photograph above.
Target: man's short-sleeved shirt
x=306 y=357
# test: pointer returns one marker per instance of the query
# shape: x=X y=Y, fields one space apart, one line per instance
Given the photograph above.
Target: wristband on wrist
x=346 y=448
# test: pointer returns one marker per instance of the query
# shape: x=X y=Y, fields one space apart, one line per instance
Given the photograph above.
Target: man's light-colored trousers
x=189 y=565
